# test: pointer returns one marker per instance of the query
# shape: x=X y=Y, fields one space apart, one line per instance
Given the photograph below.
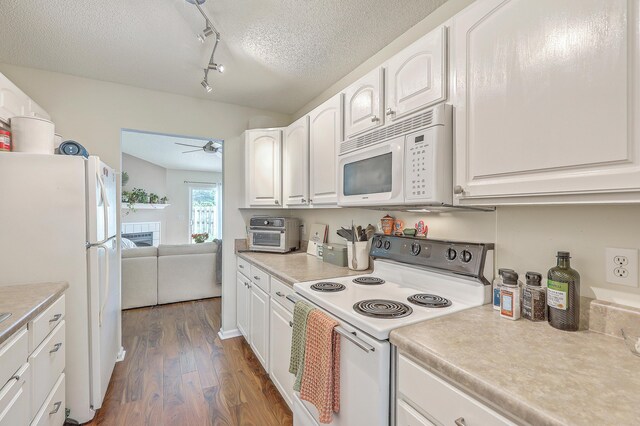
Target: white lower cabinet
x=15 y=399
x=425 y=399
x=280 y=348
x=260 y=325
x=243 y=300
x=32 y=364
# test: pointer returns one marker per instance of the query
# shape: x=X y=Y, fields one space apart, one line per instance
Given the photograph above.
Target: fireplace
x=143 y=234
x=140 y=239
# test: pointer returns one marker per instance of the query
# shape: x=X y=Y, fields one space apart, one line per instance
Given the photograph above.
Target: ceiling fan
x=210 y=147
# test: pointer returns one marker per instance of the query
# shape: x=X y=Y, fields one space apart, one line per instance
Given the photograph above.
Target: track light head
x=206 y=86
x=208 y=31
x=216 y=67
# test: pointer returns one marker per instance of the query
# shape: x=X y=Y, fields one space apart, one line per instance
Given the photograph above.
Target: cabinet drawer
x=244 y=267
x=52 y=412
x=260 y=278
x=14 y=399
x=279 y=293
x=44 y=323
x=440 y=400
x=407 y=416
x=47 y=362
x=13 y=353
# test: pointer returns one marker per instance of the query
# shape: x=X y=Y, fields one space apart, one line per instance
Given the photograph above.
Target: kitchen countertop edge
x=17 y=322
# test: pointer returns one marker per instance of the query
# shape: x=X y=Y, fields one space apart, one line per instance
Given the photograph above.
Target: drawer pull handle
x=241 y=266
x=255 y=277
x=290 y=323
x=56 y=348
x=56 y=407
x=460 y=422
x=279 y=293
x=55 y=318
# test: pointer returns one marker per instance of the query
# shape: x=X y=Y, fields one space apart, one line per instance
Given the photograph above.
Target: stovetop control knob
x=387 y=245
x=266 y=222
x=378 y=243
x=451 y=254
x=415 y=249
x=466 y=256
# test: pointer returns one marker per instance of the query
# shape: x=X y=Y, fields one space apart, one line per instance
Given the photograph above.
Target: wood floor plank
x=225 y=385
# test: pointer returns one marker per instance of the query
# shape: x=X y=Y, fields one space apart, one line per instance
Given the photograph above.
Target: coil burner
x=327 y=287
x=380 y=308
x=429 y=300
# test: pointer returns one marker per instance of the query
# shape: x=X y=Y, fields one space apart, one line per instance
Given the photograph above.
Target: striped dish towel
x=301 y=312
x=321 y=378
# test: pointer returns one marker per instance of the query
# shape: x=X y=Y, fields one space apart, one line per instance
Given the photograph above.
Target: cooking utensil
x=369 y=231
x=344 y=234
x=354 y=261
x=358 y=233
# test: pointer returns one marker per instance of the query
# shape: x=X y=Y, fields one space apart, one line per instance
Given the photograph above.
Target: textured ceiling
x=278 y=54
x=163 y=151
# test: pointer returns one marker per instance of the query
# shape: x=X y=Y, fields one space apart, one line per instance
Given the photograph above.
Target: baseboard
x=229 y=333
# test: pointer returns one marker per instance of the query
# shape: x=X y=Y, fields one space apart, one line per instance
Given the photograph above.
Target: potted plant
x=154 y=198
x=164 y=200
x=139 y=195
x=125 y=178
x=200 y=238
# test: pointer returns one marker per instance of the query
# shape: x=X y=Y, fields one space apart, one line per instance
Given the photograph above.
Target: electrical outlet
x=622 y=266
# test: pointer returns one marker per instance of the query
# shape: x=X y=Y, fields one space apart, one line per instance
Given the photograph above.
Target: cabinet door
x=547 y=100
x=363 y=102
x=417 y=76
x=259 y=323
x=296 y=163
x=325 y=135
x=15 y=399
x=280 y=351
x=242 y=305
x=264 y=167
x=12 y=100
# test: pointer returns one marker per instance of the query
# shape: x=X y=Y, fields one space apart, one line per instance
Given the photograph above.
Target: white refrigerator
x=58 y=222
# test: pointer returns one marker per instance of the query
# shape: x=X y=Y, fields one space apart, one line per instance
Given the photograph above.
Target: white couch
x=173 y=273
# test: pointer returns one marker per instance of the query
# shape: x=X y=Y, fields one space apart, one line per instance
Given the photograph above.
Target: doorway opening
x=171 y=202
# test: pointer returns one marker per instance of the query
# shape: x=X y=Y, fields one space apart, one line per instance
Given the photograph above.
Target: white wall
x=94 y=112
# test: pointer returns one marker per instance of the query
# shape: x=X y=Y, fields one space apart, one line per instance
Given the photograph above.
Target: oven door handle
x=351 y=336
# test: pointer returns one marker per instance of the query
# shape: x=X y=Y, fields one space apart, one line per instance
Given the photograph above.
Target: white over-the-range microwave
x=408 y=163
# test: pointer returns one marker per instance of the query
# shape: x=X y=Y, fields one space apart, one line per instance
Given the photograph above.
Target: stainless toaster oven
x=274 y=234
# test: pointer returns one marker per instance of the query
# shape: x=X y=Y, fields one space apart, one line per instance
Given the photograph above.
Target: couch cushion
x=179 y=249
x=140 y=252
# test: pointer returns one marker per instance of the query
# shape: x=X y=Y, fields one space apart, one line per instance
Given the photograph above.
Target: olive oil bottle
x=563 y=294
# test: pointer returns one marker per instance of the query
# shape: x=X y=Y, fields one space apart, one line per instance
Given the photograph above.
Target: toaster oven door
x=265 y=240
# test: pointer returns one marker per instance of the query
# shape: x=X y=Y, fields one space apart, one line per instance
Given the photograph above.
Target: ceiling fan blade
x=184 y=144
x=195 y=150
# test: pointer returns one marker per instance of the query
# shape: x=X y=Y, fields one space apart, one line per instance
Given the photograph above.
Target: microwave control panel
x=418 y=179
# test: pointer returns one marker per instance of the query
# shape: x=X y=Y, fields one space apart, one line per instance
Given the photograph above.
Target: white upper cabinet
x=547 y=101
x=296 y=163
x=325 y=127
x=417 y=76
x=363 y=104
x=14 y=101
x=264 y=167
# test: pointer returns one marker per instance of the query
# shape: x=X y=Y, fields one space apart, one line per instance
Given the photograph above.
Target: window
x=204 y=207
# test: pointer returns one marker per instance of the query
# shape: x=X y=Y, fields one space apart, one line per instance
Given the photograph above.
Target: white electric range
x=413 y=280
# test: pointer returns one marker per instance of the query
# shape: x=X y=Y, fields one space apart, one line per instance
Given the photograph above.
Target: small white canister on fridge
x=32 y=134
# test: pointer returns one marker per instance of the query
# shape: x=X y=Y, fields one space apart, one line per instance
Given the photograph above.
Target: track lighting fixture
x=208 y=31
x=206 y=86
x=204 y=34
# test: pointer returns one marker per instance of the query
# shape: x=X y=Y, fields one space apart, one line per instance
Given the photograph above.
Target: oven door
x=264 y=240
x=372 y=176
x=364 y=383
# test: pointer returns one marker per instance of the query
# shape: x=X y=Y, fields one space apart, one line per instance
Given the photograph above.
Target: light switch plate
x=622 y=266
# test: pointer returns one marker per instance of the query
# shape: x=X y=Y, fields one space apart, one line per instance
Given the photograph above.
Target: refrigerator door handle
x=106 y=279
x=88 y=245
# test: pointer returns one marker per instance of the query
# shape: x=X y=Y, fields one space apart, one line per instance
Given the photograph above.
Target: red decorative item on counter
x=5 y=140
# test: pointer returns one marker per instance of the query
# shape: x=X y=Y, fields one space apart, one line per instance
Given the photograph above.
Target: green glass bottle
x=563 y=294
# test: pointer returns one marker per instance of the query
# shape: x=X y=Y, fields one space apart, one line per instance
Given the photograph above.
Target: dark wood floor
x=178 y=372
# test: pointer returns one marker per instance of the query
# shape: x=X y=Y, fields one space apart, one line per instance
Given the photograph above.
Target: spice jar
x=534 y=298
x=510 y=296
x=5 y=140
x=497 y=284
x=387 y=224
